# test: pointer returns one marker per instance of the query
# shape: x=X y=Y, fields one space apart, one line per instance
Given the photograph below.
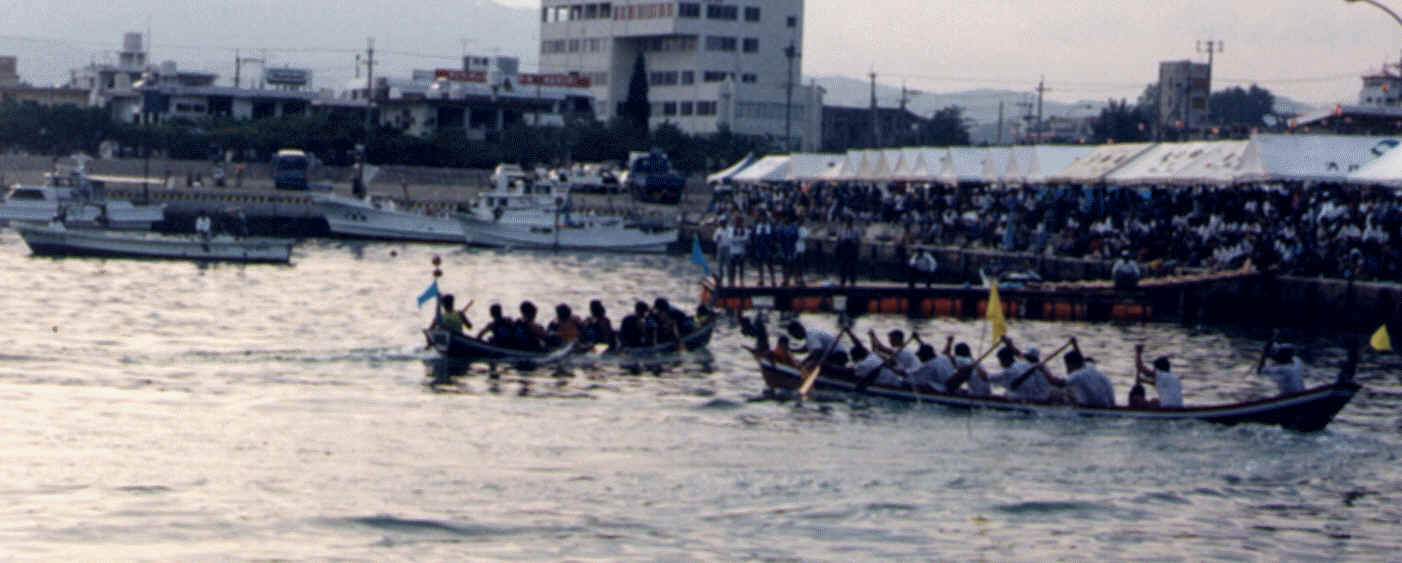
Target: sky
x=1310 y=50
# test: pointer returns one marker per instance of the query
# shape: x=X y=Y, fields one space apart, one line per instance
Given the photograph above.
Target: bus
x=290 y=170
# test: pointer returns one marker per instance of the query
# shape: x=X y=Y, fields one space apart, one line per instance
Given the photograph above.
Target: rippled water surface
x=159 y=410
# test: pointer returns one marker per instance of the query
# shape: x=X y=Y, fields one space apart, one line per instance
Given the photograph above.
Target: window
x=748 y=78
x=793 y=21
x=662 y=78
x=752 y=13
x=751 y=45
x=574 y=45
x=688 y=10
x=553 y=46
x=669 y=108
x=718 y=43
x=715 y=76
x=688 y=77
x=687 y=108
x=591 y=11
x=705 y=108
x=678 y=44
x=728 y=13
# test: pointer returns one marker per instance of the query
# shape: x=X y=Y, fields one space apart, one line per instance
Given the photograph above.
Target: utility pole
x=906 y=95
x=1211 y=47
x=790 y=53
x=1027 y=118
x=875 y=116
x=237 y=63
x=1000 y=123
x=360 y=189
x=1041 y=91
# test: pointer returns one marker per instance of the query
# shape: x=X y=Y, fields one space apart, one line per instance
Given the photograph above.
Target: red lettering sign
x=461 y=75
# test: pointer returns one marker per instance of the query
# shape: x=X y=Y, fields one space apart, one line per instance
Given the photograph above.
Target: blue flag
x=429 y=293
x=697 y=257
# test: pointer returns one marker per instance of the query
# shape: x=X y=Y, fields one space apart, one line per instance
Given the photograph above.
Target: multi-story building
x=1184 y=88
x=12 y=90
x=710 y=65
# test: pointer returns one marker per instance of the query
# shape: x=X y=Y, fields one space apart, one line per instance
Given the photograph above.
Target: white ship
x=57 y=240
x=381 y=218
x=78 y=201
x=524 y=212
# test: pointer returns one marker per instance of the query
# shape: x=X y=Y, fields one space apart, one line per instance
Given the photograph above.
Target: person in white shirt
x=1169 y=388
x=1023 y=374
x=967 y=371
x=816 y=341
x=922 y=268
x=739 y=238
x=722 y=237
x=1125 y=272
x=1088 y=387
x=905 y=360
x=934 y=371
x=1286 y=369
x=871 y=369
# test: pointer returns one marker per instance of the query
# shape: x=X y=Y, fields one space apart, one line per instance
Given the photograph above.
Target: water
x=176 y=411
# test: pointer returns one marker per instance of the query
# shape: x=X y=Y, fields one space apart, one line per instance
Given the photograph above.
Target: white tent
x=1013 y=171
x=881 y=169
x=844 y=169
x=1386 y=170
x=806 y=167
x=731 y=170
x=1158 y=165
x=989 y=170
x=1045 y=161
x=965 y=164
x=1092 y=168
x=1323 y=158
x=772 y=168
x=1219 y=164
x=865 y=166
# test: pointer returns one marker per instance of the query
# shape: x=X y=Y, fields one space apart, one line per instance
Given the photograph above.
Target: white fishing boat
x=522 y=211
x=80 y=201
x=55 y=239
x=380 y=218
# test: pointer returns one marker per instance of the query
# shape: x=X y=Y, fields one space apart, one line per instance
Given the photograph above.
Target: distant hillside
x=980 y=105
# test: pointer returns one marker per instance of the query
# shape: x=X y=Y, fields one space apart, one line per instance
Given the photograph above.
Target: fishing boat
x=522 y=211
x=79 y=200
x=466 y=348
x=382 y=219
x=1307 y=411
x=59 y=240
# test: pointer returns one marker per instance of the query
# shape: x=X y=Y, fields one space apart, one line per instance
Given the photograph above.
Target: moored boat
x=382 y=219
x=1307 y=411
x=56 y=240
x=524 y=212
x=79 y=200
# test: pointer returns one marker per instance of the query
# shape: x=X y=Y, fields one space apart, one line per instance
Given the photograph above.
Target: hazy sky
x=1311 y=50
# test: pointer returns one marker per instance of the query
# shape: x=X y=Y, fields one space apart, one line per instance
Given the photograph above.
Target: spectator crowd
x=1327 y=230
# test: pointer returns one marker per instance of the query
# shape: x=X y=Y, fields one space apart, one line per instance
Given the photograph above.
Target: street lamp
x=1375 y=4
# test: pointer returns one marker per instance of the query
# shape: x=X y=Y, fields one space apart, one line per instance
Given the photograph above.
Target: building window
x=677 y=44
x=574 y=45
x=663 y=78
x=748 y=78
x=718 y=43
x=728 y=13
x=687 y=108
x=705 y=108
x=669 y=108
x=689 y=10
x=688 y=77
x=553 y=46
x=752 y=13
x=751 y=45
x=714 y=76
x=793 y=21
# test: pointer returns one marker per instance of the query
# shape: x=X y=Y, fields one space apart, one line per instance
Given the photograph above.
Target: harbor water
x=170 y=410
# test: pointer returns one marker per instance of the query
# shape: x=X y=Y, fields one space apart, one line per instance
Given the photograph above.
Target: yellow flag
x=995 y=313
x=1381 y=341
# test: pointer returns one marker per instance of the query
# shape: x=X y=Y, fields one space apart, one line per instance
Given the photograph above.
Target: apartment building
x=710 y=65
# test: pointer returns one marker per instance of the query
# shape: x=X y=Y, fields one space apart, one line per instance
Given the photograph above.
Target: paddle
x=812 y=375
x=1264 y=353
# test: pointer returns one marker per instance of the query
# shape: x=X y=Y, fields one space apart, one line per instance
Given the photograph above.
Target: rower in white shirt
x=1169 y=388
x=1286 y=369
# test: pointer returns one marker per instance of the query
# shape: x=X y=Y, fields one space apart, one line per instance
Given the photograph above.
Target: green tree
x=947 y=127
x=1121 y=122
x=637 y=110
x=1241 y=107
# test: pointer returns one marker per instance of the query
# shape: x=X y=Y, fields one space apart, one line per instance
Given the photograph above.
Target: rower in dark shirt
x=632 y=332
x=501 y=327
x=530 y=336
x=598 y=329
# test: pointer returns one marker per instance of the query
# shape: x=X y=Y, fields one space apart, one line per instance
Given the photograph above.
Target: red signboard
x=461 y=75
x=563 y=80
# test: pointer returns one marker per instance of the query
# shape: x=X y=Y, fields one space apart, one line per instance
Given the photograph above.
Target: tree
x=1237 y=107
x=1120 y=122
x=636 y=108
x=946 y=128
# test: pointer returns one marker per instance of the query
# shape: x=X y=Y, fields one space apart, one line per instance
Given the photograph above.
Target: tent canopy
x=1092 y=168
x=806 y=167
x=772 y=168
x=1323 y=158
x=729 y=171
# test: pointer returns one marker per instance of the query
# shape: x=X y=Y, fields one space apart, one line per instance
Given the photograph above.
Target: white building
x=711 y=64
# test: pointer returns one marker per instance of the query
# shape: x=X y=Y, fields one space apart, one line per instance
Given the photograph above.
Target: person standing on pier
x=761 y=241
x=849 y=241
x=739 y=239
x=722 y=237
